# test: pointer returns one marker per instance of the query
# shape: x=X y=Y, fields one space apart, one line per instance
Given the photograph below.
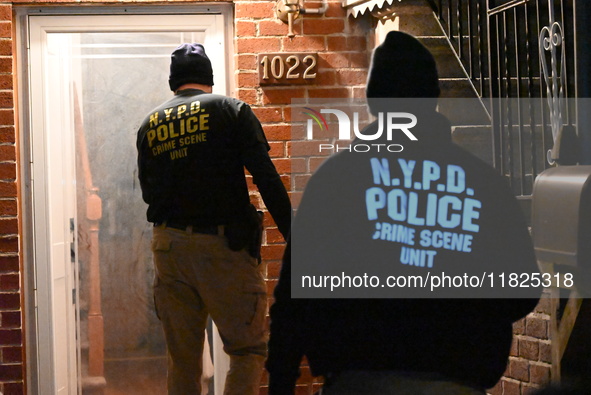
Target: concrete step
x=521 y=140
x=471 y=56
x=525 y=86
x=447 y=62
x=456 y=88
x=416 y=17
x=419 y=24
x=93 y=385
x=414 y=7
x=464 y=112
x=475 y=139
x=470 y=120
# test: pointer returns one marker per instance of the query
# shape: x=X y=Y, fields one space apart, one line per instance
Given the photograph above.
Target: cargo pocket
x=154 y=291
x=161 y=245
x=257 y=295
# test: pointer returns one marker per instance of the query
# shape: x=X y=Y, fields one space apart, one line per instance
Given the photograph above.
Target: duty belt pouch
x=246 y=232
x=255 y=247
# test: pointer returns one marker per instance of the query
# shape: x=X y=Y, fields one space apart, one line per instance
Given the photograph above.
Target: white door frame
x=37 y=220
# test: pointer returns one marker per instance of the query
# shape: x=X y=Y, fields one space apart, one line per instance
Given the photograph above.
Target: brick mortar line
x=536 y=314
x=541 y=363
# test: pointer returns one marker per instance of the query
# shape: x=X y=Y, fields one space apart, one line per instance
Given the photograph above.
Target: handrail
x=507 y=6
x=93 y=215
x=499 y=48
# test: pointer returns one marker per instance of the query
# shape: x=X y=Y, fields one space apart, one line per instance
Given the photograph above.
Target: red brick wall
x=343 y=58
x=530 y=359
x=11 y=333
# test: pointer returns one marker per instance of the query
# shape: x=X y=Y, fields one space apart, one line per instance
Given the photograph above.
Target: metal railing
x=464 y=24
x=498 y=43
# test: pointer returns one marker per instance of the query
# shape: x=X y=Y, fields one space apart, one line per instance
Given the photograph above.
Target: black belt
x=190 y=228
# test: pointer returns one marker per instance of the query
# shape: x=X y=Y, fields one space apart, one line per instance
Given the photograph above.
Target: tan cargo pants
x=196 y=275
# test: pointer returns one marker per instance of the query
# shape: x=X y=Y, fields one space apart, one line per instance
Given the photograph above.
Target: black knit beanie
x=402 y=67
x=190 y=64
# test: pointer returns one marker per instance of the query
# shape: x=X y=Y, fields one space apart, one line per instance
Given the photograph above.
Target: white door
x=91 y=81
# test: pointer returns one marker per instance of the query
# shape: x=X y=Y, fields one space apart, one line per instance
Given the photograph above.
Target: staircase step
x=93 y=385
x=475 y=139
x=447 y=62
x=521 y=140
x=418 y=24
x=414 y=7
x=479 y=58
x=464 y=112
x=456 y=88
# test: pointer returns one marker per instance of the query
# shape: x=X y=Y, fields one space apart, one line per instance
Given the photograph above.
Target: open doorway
x=91 y=80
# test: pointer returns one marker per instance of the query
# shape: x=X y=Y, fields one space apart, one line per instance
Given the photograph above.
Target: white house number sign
x=287 y=68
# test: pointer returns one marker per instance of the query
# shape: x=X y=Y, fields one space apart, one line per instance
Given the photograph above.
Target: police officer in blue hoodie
x=363 y=212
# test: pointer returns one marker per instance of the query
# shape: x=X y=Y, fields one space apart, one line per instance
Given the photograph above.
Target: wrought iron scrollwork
x=551 y=39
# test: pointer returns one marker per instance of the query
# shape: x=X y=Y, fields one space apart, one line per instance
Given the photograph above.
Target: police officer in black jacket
x=363 y=212
x=192 y=151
